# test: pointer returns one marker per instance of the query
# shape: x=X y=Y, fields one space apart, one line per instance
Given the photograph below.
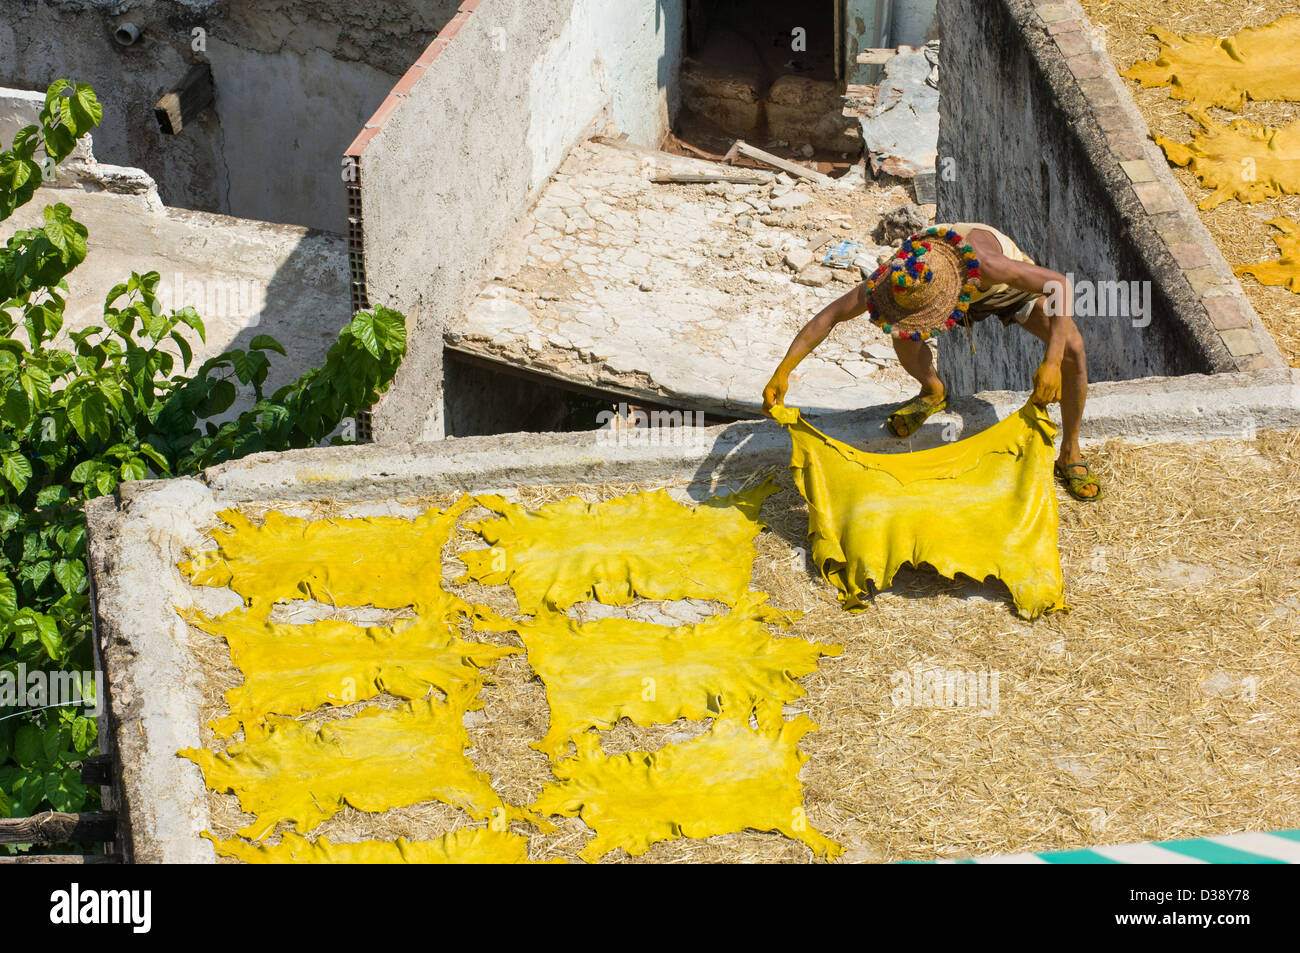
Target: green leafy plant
x=82 y=412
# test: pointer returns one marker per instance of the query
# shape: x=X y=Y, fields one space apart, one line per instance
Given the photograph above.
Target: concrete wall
x=866 y=25
x=455 y=156
x=20 y=108
x=1042 y=140
x=294 y=81
x=913 y=22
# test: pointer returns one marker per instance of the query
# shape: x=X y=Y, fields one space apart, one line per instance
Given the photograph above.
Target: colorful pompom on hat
x=925 y=287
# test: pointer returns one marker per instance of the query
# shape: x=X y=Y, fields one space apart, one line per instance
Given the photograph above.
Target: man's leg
x=917 y=360
x=1074 y=383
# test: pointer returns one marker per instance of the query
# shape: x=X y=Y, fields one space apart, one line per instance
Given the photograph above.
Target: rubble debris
x=900 y=223
x=841 y=254
x=719 y=302
x=798 y=258
x=901 y=131
x=789 y=201
x=814 y=276
x=742 y=148
x=691 y=178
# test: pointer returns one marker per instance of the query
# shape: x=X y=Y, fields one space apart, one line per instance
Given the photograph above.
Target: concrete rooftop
x=682 y=294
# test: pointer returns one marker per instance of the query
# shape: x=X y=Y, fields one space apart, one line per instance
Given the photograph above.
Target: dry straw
x=1165 y=704
x=1240 y=231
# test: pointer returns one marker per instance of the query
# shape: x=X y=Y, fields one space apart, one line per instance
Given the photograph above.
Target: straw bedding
x=1164 y=704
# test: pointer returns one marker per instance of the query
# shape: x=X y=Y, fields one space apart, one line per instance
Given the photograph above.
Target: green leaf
x=36 y=384
x=59 y=141
x=89 y=416
x=363 y=329
x=217 y=401
x=264 y=342
x=35 y=571
x=105 y=481
x=191 y=319
x=52 y=495
x=52 y=94
x=133 y=470
x=239 y=361
x=16 y=469
x=8 y=603
x=28 y=748
x=84 y=734
x=64 y=234
x=86 y=108
x=50 y=744
x=16 y=172
x=158 y=459
x=85 y=471
x=71 y=574
x=17 y=408
x=187 y=355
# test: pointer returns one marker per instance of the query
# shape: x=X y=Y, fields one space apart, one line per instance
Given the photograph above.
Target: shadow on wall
x=1025 y=163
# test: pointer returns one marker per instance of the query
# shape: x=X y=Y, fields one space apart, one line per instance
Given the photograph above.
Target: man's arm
x=997 y=268
x=847 y=306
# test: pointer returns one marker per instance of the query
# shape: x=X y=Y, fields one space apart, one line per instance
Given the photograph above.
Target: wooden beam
x=193 y=94
x=57 y=828
x=97 y=770
x=740 y=147
x=692 y=178
x=876 y=57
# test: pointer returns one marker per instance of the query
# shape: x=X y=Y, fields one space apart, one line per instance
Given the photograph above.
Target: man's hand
x=774 y=392
x=1047 y=384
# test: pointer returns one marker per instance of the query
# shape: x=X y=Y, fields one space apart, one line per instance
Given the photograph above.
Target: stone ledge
x=1240 y=342
x=1226 y=312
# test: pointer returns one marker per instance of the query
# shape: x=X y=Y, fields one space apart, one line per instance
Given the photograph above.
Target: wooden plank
x=57 y=828
x=740 y=147
x=190 y=97
x=876 y=57
x=692 y=178
x=61 y=859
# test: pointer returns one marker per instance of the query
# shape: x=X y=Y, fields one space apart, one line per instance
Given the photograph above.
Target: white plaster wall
x=457 y=164
x=623 y=54
x=286 y=119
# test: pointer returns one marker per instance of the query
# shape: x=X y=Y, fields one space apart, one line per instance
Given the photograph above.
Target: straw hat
x=925 y=287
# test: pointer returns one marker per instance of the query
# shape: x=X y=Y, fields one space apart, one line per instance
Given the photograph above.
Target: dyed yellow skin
x=643 y=544
x=983 y=506
x=1285 y=272
x=304 y=771
x=293 y=669
x=1221 y=156
x=732 y=778
x=469 y=845
x=1256 y=63
x=382 y=561
x=598 y=672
